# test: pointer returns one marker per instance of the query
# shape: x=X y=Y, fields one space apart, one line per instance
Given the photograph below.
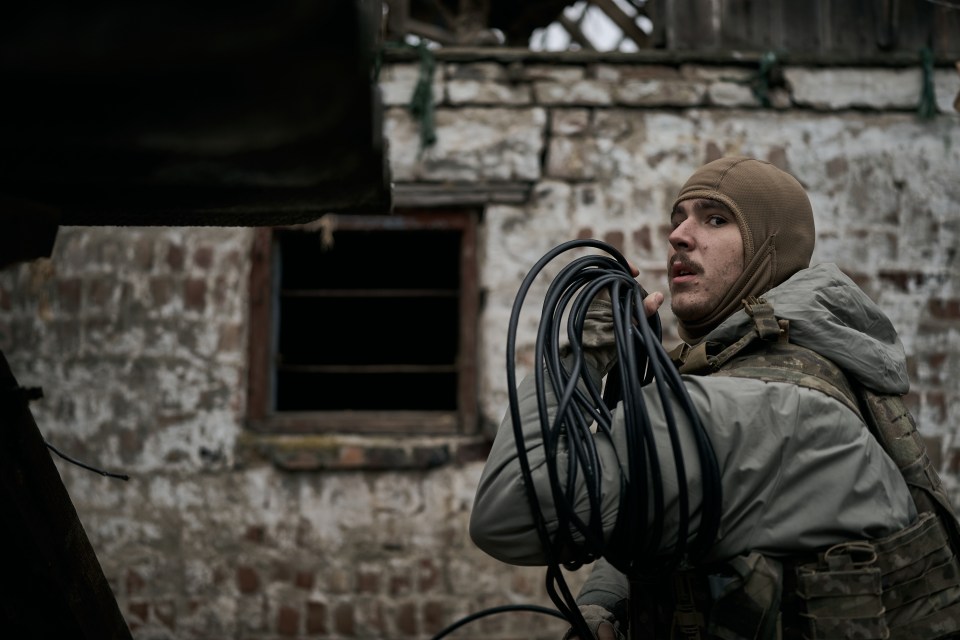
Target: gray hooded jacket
x=799 y=470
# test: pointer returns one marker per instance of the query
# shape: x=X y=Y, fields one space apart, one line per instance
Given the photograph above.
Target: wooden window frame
x=261 y=417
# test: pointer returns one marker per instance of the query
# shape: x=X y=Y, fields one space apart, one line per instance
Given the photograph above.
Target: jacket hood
x=831 y=315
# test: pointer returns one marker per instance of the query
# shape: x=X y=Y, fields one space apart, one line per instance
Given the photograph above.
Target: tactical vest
x=905 y=586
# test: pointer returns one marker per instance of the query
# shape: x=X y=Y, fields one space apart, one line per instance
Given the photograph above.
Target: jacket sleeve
x=606 y=587
x=799 y=471
x=501 y=522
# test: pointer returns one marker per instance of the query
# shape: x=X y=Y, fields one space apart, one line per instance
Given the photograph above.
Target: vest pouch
x=921 y=581
x=840 y=595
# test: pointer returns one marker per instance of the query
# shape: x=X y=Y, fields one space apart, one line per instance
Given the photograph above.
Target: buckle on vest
x=766 y=324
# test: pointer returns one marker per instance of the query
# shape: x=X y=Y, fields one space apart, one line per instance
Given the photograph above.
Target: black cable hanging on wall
x=584 y=411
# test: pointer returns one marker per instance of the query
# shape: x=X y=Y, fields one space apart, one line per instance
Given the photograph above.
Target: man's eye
x=717 y=221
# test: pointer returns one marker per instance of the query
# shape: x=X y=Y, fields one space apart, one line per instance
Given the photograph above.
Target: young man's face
x=705 y=257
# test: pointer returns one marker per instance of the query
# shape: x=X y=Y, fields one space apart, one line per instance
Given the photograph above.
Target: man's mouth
x=681 y=271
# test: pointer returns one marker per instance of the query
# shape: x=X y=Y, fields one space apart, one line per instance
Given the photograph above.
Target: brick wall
x=138 y=335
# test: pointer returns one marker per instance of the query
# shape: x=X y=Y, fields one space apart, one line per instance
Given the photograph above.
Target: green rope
x=421 y=103
x=761 y=82
x=927 y=108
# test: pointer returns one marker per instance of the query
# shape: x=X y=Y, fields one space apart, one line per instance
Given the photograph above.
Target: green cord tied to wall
x=761 y=82
x=927 y=107
x=421 y=102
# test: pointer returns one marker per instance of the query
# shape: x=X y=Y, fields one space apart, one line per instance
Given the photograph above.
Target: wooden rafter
x=576 y=34
x=631 y=30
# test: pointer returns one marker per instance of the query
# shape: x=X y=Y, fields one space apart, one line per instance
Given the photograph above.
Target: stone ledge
x=360 y=453
x=727 y=57
x=422 y=194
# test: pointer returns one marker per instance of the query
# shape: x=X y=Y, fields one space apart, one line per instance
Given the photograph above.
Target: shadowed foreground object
x=52 y=584
x=181 y=113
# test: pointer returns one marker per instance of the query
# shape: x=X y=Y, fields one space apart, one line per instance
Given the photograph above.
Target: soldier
x=777 y=358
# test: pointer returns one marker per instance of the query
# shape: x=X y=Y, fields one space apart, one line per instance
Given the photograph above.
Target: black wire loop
x=636 y=546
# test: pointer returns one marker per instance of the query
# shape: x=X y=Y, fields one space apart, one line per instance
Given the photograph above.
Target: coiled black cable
x=635 y=545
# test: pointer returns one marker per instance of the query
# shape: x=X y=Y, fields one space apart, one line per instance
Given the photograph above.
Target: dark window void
x=372 y=324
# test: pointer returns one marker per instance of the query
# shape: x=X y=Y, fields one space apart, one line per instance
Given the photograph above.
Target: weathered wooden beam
x=52 y=585
x=576 y=34
x=626 y=24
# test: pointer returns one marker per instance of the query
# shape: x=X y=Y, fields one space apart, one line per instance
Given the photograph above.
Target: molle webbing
x=785 y=362
x=905 y=586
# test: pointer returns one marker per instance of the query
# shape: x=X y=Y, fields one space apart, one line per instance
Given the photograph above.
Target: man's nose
x=681 y=236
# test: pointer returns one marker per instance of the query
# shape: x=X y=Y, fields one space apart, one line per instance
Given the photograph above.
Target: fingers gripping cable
x=635 y=546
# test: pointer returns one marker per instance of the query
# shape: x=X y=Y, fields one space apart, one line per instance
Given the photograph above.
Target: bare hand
x=650 y=305
x=652 y=302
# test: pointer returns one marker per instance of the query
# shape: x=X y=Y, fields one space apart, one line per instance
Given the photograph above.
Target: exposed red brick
x=375 y=618
x=614 y=239
x=713 y=152
x=176 y=455
x=937 y=402
x=400 y=585
x=194 y=294
x=522 y=584
x=936 y=360
x=912 y=367
x=282 y=572
x=642 y=238
x=344 y=619
x=130 y=443
x=584 y=233
x=134 y=582
x=288 y=621
x=166 y=612
x=139 y=610
x=255 y=533
x=247 y=580
x=338 y=581
x=434 y=617
x=368 y=582
x=304 y=580
x=407 y=619
x=231 y=338
x=220 y=291
x=777 y=156
x=69 y=294
x=837 y=167
x=953 y=464
x=99 y=291
x=143 y=253
x=203 y=257
x=316 y=618
x=429 y=575
x=912 y=400
x=161 y=290
x=947 y=309
x=175 y=257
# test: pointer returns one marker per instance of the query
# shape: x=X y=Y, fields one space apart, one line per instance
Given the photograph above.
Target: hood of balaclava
x=776 y=224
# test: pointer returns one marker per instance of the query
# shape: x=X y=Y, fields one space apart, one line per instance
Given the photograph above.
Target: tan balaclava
x=775 y=220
